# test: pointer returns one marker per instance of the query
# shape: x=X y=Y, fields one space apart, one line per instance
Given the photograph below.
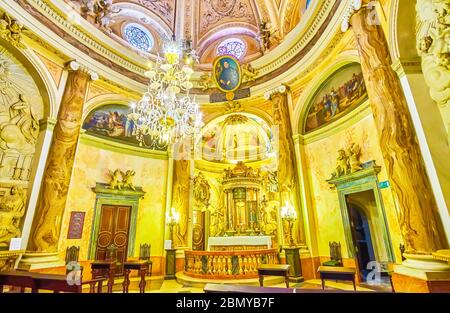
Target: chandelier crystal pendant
x=166 y=112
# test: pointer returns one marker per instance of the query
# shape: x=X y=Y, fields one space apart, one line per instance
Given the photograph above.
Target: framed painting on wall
x=76 y=225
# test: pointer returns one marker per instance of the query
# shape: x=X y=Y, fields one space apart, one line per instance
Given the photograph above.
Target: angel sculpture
x=104 y=12
x=127 y=179
x=266 y=36
x=342 y=164
x=249 y=72
x=11 y=30
x=115 y=180
x=354 y=153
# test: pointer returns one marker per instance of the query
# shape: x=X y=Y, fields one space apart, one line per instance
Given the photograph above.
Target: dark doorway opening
x=361 y=235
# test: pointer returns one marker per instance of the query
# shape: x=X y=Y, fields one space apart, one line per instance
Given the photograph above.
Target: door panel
x=113 y=229
x=105 y=231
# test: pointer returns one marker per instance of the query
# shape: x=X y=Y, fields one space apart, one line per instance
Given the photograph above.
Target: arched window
x=232 y=46
x=139 y=37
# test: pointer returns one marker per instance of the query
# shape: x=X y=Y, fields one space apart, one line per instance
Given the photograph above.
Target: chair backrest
x=335 y=251
x=144 y=251
x=72 y=254
x=111 y=253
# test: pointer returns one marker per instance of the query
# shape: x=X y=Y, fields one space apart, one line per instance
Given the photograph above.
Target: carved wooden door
x=113 y=229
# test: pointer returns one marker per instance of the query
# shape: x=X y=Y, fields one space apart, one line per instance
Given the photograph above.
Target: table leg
x=286 y=279
x=354 y=285
x=126 y=280
x=261 y=280
x=100 y=287
x=323 y=283
x=143 y=273
x=92 y=287
x=111 y=273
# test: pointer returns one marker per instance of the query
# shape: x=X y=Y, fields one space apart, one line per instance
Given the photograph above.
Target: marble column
x=61 y=156
x=287 y=176
x=419 y=220
x=180 y=200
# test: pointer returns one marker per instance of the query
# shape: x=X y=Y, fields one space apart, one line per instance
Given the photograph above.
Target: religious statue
x=342 y=164
x=272 y=181
x=11 y=31
x=21 y=131
x=216 y=225
x=12 y=208
x=266 y=35
x=269 y=225
x=115 y=181
x=249 y=72
x=201 y=189
x=127 y=179
x=354 y=153
x=206 y=81
x=104 y=12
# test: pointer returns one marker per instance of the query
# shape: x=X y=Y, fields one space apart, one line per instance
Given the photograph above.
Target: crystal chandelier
x=166 y=113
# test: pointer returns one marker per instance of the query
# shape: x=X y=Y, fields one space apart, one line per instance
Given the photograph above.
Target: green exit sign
x=383 y=184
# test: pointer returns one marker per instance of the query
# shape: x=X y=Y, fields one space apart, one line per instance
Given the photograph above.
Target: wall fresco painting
x=112 y=121
x=342 y=92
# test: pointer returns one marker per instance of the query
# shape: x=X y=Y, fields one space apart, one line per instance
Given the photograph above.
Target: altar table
x=239 y=243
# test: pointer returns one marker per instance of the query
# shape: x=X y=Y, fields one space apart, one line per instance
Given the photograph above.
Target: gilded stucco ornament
x=12 y=31
x=202 y=193
x=206 y=81
x=249 y=73
x=433 y=45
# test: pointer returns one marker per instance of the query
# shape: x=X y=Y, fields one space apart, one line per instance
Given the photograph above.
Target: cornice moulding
x=88 y=35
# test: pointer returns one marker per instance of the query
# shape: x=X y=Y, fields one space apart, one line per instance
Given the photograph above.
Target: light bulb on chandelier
x=166 y=112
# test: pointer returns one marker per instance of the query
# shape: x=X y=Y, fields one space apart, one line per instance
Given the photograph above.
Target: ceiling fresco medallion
x=223 y=6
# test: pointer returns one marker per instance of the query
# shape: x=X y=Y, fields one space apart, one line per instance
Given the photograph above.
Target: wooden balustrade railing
x=227 y=264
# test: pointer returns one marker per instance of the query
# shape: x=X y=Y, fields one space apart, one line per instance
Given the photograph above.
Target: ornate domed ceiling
x=212 y=25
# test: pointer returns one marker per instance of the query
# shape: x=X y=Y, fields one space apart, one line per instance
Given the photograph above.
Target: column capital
x=74 y=65
x=282 y=89
x=354 y=7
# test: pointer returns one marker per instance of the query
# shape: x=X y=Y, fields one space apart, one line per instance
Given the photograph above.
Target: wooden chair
x=72 y=255
x=143 y=265
x=144 y=255
x=106 y=268
x=335 y=255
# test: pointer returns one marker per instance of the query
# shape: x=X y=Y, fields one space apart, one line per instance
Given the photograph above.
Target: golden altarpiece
x=242 y=227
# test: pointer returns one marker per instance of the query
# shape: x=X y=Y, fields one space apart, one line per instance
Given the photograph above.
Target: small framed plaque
x=76 y=225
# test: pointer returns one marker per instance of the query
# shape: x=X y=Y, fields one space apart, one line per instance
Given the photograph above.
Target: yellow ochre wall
x=321 y=161
x=91 y=166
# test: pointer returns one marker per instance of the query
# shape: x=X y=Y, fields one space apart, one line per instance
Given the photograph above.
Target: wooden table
x=106 y=269
x=142 y=267
x=337 y=273
x=273 y=270
x=228 y=288
x=17 y=279
x=36 y=281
